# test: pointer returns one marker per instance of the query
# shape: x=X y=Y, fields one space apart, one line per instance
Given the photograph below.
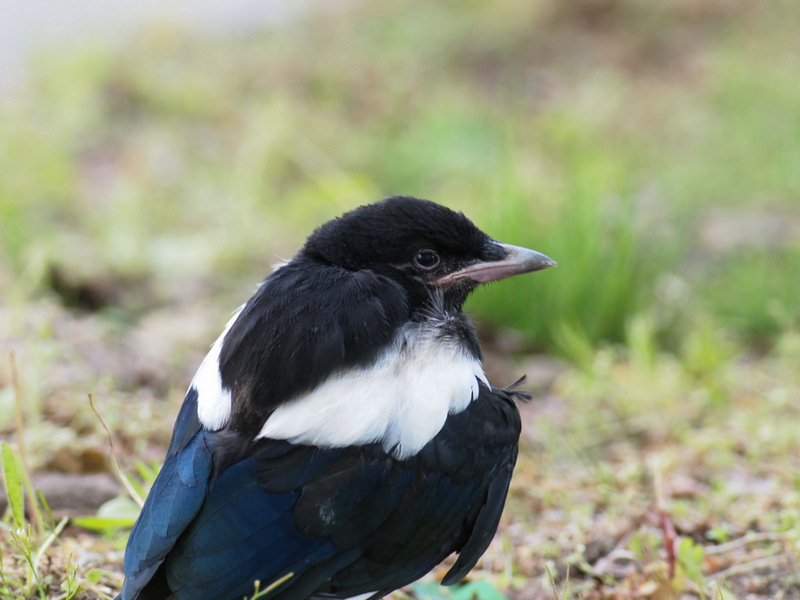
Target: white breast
x=401 y=401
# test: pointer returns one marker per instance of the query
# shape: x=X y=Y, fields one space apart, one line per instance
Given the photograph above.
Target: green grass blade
x=12 y=476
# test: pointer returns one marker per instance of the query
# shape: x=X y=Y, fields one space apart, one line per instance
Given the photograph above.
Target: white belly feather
x=401 y=400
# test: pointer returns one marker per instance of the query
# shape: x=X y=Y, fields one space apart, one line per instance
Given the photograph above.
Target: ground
x=620 y=461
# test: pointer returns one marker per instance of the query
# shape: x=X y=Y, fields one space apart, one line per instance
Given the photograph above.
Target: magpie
x=340 y=439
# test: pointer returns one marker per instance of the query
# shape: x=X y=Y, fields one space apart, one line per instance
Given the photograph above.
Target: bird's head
x=427 y=248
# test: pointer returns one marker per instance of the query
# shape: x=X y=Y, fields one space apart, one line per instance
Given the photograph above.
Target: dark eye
x=426 y=259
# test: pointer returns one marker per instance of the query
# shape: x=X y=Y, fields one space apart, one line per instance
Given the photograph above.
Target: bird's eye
x=426 y=259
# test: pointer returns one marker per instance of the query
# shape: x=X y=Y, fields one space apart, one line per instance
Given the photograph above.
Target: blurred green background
x=651 y=148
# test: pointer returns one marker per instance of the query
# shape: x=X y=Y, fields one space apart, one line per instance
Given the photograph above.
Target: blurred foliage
x=617 y=136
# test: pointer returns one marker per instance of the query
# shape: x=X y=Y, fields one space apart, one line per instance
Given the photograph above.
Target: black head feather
x=387 y=238
x=392 y=231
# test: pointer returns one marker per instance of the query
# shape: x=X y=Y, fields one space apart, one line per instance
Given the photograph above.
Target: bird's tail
x=516 y=394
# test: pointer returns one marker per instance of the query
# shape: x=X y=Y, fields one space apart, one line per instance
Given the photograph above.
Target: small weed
x=31 y=543
x=71 y=584
x=259 y=593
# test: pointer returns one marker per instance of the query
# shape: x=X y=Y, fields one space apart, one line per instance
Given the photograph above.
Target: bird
x=340 y=439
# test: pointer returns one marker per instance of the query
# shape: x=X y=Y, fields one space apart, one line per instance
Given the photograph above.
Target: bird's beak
x=516 y=261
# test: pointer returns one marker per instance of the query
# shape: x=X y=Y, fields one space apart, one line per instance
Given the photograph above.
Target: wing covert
x=174 y=500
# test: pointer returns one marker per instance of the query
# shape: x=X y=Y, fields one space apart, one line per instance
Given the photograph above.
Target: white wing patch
x=213 y=400
x=401 y=401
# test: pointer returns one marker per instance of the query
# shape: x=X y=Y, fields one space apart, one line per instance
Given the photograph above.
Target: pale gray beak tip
x=527 y=260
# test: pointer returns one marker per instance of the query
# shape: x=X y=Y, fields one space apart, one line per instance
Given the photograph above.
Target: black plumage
x=341 y=429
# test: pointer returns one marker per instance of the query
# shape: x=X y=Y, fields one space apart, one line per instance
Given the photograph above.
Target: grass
x=612 y=167
x=649 y=148
x=34 y=561
x=643 y=449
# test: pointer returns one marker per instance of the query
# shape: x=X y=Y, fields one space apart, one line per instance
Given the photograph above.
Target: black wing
x=173 y=502
x=306 y=322
x=352 y=520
